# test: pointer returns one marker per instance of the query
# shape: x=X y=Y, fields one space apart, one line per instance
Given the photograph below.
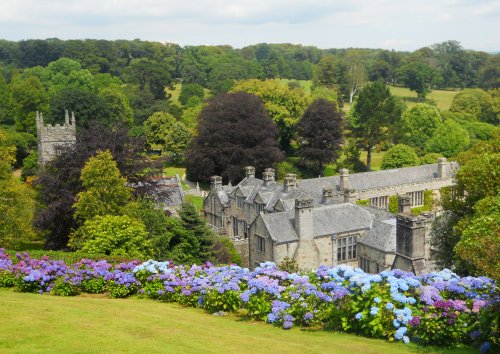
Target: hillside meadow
x=33 y=323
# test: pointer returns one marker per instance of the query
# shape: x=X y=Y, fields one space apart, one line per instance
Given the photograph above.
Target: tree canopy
x=400 y=155
x=373 y=115
x=418 y=125
x=17 y=204
x=469 y=239
x=284 y=105
x=448 y=139
x=320 y=135
x=234 y=131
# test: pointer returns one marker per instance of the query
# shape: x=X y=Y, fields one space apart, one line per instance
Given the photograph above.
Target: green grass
x=172 y=171
x=175 y=92
x=376 y=159
x=49 y=324
x=195 y=200
x=305 y=84
x=440 y=97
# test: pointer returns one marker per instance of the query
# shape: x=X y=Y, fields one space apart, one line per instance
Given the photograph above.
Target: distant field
x=177 y=91
x=33 y=323
x=376 y=159
x=442 y=98
x=305 y=84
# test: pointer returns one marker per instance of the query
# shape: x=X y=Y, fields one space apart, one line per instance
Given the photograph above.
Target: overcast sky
x=390 y=24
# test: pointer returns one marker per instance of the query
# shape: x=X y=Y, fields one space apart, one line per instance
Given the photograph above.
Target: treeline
x=214 y=67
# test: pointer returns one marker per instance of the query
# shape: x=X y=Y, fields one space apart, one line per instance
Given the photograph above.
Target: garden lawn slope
x=42 y=324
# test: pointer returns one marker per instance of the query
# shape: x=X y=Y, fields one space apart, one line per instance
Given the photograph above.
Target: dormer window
x=240 y=201
x=259 y=207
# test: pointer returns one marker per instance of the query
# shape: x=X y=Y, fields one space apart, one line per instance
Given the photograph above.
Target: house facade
x=318 y=222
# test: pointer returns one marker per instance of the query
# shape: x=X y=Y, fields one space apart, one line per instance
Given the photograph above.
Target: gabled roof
x=279 y=227
x=340 y=218
x=381 y=236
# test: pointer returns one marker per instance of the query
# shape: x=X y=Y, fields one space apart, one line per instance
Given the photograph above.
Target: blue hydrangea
x=377 y=300
x=359 y=316
x=389 y=306
x=374 y=311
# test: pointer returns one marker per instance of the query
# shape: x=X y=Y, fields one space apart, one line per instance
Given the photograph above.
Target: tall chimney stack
x=442 y=167
x=215 y=183
x=290 y=182
x=404 y=204
x=344 y=179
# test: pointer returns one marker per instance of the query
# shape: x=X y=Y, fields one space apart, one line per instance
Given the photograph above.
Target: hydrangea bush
x=436 y=308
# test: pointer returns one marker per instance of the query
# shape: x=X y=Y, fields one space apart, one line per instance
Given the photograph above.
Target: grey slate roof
x=339 y=218
x=166 y=191
x=335 y=219
x=378 y=179
x=381 y=236
x=280 y=227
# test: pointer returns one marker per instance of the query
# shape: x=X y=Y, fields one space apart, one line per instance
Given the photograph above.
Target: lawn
x=376 y=159
x=172 y=171
x=195 y=200
x=305 y=84
x=49 y=324
x=442 y=98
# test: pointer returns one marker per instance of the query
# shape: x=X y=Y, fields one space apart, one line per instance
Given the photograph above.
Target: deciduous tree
x=234 y=131
x=400 y=155
x=448 y=139
x=418 y=125
x=17 y=202
x=284 y=106
x=320 y=133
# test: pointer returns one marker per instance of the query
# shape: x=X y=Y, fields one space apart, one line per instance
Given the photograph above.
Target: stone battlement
x=51 y=136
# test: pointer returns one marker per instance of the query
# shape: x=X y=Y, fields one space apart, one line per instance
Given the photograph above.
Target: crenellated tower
x=50 y=136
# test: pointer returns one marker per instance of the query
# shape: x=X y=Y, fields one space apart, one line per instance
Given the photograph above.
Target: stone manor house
x=321 y=221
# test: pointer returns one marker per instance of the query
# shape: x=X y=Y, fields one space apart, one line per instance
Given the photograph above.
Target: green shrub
x=63 y=287
x=93 y=285
x=428 y=204
x=119 y=290
x=393 y=204
x=400 y=155
x=7 y=279
x=228 y=301
x=289 y=265
x=365 y=202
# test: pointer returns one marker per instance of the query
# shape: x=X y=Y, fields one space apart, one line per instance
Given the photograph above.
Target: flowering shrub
x=435 y=308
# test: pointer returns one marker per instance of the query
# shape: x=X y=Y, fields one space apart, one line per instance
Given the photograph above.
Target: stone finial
x=303 y=202
x=442 y=162
x=344 y=179
x=268 y=176
x=327 y=195
x=290 y=182
x=404 y=204
x=350 y=195
x=250 y=172
x=215 y=183
x=66 y=118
